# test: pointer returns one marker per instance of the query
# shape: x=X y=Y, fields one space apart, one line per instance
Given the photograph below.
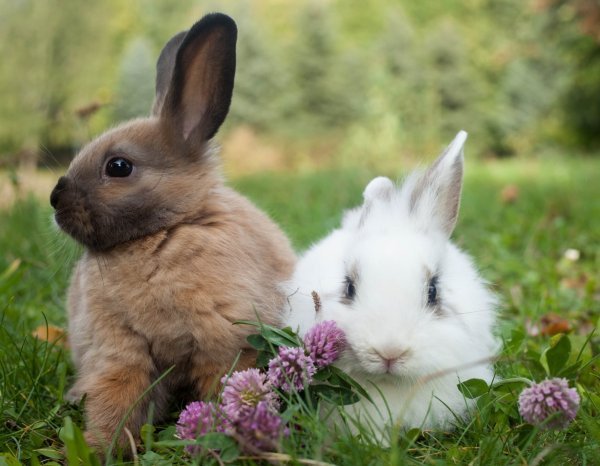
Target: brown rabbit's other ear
x=164 y=70
x=198 y=94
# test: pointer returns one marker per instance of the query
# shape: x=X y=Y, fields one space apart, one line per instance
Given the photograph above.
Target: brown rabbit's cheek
x=100 y=223
x=133 y=217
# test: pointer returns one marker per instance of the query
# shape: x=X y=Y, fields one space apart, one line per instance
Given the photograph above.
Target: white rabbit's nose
x=391 y=356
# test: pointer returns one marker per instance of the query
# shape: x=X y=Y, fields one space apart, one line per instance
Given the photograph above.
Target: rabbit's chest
x=167 y=350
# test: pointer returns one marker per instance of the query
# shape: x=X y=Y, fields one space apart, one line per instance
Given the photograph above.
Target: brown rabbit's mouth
x=101 y=227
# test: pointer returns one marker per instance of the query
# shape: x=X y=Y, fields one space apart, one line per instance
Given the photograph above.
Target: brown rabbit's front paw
x=94 y=442
x=74 y=395
x=100 y=443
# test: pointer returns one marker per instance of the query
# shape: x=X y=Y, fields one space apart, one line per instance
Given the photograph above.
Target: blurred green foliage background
x=319 y=82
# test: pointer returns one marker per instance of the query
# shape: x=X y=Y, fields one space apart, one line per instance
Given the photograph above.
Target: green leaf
x=151 y=458
x=230 y=454
x=557 y=355
x=174 y=443
x=147 y=434
x=263 y=358
x=350 y=381
x=167 y=434
x=278 y=337
x=8 y=460
x=11 y=269
x=408 y=438
x=216 y=441
x=484 y=401
x=570 y=372
x=290 y=411
x=228 y=448
x=473 y=388
x=336 y=395
x=67 y=435
x=50 y=453
x=61 y=374
x=258 y=342
x=513 y=344
x=78 y=451
x=323 y=374
x=274 y=335
x=591 y=425
x=289 y=331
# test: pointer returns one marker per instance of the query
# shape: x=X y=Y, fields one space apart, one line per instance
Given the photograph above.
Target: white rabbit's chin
x=369 y=377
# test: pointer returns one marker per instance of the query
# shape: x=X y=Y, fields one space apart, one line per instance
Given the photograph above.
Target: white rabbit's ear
x=435 y=197
x=378 y=189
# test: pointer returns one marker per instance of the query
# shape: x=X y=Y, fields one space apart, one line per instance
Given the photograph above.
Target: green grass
x=519 y=247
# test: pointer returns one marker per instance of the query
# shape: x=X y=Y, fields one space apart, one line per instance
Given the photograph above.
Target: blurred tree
x=344 y=75
x=52 y=57
x=521 y=77
x=327 y=85
x=135 y=85
x=262 y=95
x=574 y=25
x=448 y=76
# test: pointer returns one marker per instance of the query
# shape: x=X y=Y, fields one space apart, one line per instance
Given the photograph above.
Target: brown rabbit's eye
x=119 y=167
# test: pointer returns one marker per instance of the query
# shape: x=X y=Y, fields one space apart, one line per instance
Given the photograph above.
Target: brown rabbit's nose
x=59 y=188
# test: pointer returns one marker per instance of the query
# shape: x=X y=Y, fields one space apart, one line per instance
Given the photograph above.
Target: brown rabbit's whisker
x=48 y=152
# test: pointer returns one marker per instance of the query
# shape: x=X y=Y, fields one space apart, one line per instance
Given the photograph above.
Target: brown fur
x=173 y=257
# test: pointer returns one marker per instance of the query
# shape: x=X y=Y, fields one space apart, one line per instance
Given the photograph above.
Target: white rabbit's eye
x=349 y=289
x=118 y=167
x=432 y=294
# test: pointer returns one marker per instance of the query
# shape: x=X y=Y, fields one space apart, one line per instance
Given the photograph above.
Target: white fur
x=394 y=243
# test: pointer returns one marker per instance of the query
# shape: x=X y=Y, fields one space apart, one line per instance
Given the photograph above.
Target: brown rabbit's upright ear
x=200 y=84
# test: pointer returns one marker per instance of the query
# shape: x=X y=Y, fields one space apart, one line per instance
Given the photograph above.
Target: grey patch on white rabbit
x=441 y=186
x=350 y=285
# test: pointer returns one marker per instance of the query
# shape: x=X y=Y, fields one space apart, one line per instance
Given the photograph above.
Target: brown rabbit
x=173 y=257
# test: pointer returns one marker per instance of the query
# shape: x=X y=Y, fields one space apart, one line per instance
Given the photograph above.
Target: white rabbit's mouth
x=373 y=365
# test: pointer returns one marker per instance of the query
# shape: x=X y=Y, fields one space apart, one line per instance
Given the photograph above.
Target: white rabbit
x=417 y=316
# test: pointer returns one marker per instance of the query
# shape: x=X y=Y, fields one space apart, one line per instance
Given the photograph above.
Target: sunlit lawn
x=518 y=243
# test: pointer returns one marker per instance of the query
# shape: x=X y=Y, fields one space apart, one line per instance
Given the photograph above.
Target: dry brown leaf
x=553 y=324
x=548 y=325
x=52 y=334
x=575 y=283
x=509 y=194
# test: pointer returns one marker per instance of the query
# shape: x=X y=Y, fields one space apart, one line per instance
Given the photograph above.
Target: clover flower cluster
x=550 y=403
x=249 y=407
